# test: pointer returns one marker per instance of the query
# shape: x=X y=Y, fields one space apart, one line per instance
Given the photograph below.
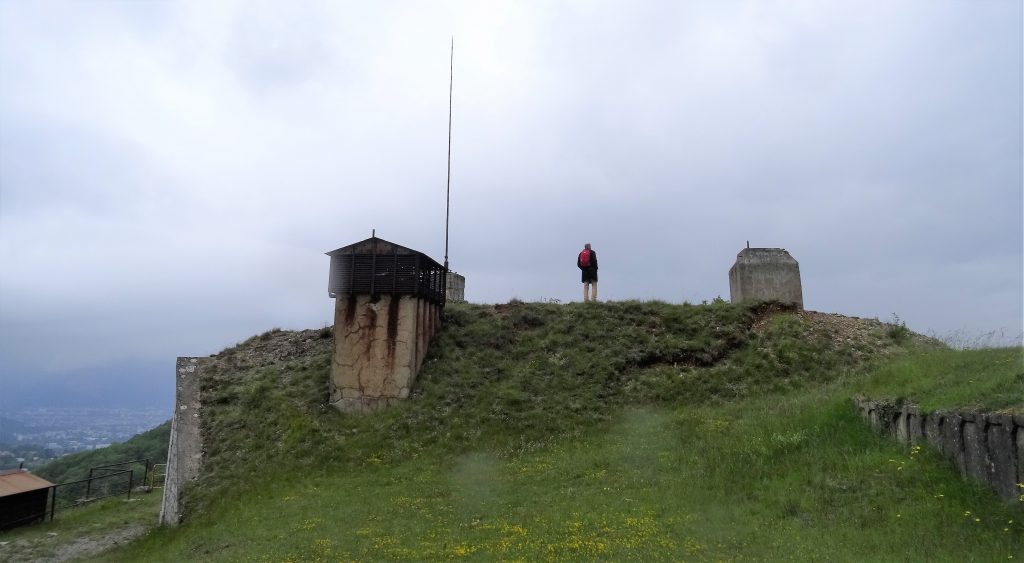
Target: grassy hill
x=616 y=431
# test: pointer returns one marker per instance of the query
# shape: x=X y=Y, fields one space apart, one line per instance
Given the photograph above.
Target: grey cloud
x=271 y=45
x=204 y=177
x=49 y=163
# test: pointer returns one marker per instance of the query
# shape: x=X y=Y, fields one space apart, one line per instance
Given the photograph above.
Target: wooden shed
x=24 y=498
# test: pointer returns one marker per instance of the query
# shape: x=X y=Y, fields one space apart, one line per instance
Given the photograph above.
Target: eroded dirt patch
x=55 y=547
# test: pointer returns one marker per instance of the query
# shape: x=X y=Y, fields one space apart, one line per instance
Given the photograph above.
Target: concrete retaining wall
x=988 y=447
x=185 y=451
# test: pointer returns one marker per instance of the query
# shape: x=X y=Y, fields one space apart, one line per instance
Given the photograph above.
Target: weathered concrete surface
x=185 y=451
x=763 y=274
x=1002 y=465
x=379 y=346
x=882 y=417
x=953 y=440
x=455 y=288
x=903 y=426
x=988 y=447
x=915 y=428
x=975 y=449
x=933 y=431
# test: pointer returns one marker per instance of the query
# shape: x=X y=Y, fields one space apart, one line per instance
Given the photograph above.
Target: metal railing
x=73 y=494
x=119 y=467
x=104 y=481
x=159 y=475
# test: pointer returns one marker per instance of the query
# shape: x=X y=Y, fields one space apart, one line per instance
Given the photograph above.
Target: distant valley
x=39 y=435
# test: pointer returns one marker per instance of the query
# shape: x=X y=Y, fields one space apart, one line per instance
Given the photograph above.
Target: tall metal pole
x=448 y=196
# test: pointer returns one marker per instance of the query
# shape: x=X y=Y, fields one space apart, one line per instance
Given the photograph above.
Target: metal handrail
x=88 y=481
x=110 y=466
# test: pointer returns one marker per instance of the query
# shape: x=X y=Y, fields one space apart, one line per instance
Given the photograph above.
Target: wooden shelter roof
x=375 y=245
x=17 y=481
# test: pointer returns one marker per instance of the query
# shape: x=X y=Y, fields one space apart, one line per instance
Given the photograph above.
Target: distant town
x=34 y=437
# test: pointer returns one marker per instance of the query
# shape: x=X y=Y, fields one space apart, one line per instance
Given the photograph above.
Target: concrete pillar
x=379 y=346
x=764 y=274
x=185 y=451
x=455 y=288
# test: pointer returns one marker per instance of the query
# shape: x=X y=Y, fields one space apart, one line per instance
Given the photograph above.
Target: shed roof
x=375 y=245
x=16 y=481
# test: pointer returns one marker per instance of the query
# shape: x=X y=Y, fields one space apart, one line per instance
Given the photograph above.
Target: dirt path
x=52 y=548
x=93 y=545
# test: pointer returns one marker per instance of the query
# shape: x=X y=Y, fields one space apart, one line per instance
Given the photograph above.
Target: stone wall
x=765 y=274
x=988 y=447
x=185 y=451
x=379 y=346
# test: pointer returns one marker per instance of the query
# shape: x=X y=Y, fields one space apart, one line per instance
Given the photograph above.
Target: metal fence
x=158 y=476
x=113 y=468
x=104 y=481
x=78 y=493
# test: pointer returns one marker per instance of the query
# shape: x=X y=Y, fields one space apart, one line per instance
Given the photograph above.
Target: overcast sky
x=171 y=173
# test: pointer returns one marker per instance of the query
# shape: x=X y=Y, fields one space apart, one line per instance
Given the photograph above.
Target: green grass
x=984 y=380
x=78 y=531
x=795 y=479
x=614 y=431
x=512 y=377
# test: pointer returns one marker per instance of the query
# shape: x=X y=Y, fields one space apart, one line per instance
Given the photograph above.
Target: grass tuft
x=897 y=330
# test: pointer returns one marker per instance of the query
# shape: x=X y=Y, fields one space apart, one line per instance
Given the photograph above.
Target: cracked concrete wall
x=379 y=346
x=185 y=451
x=988 y=447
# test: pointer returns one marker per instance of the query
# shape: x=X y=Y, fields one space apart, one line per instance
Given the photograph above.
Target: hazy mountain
x=117 y=385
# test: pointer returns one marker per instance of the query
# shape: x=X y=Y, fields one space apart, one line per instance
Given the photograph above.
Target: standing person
x=587 y=262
